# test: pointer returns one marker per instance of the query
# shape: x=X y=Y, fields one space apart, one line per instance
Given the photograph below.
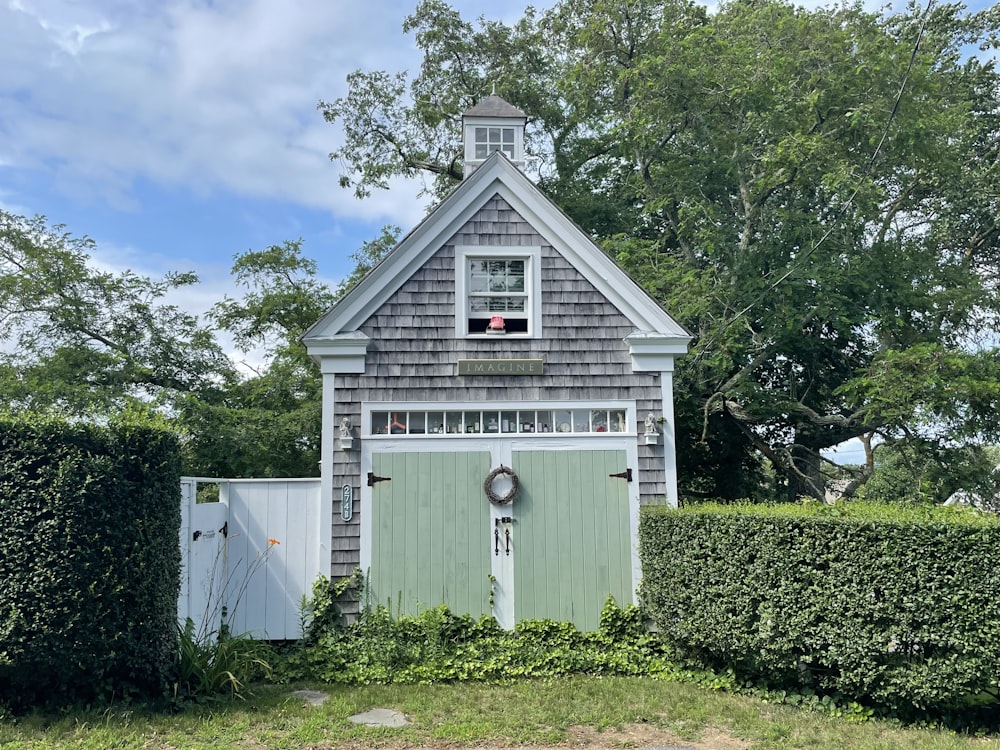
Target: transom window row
x=497 y=421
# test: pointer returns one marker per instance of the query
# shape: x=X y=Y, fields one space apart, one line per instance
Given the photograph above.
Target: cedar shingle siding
x=413 y=352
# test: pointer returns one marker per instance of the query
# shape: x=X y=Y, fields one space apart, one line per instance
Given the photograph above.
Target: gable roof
x=494 y=106
x=497 y=175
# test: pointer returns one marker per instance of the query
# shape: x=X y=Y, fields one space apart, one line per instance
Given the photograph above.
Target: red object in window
x=496 y=323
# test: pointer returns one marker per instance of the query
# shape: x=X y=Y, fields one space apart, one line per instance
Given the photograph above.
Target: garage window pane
x=497 y=421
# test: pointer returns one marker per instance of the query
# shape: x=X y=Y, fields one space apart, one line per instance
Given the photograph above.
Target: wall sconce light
x=346 y=438
x=652 y=429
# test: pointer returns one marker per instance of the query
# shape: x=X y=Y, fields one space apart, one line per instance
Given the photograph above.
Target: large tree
x=268 y=424
x=88 y=342
x=814 y=193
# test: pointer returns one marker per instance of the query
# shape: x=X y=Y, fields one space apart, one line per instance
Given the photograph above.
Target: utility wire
x=868 y=169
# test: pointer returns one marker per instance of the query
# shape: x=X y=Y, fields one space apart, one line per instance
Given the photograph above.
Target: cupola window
x=493 y=125
x=488 y=140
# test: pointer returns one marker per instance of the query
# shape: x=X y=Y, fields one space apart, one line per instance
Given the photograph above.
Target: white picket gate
x=255 y=552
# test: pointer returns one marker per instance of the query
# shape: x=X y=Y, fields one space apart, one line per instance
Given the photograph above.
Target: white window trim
x=631 y=425
x=532 y=255
x=492 y=122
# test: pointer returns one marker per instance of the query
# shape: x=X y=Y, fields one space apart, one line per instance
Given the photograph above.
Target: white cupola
x=493 y=125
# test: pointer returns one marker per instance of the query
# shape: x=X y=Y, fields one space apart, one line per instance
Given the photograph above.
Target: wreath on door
x=495 y=497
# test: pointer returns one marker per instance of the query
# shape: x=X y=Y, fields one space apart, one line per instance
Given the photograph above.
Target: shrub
x=438 y=645
x=897 y=609
x=89 y=561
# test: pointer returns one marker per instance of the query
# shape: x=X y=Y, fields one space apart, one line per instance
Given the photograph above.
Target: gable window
x=498 y=283
x=488 y=140
x=496 y=287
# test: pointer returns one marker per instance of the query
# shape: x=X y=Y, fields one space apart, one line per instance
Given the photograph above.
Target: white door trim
x=501 y=449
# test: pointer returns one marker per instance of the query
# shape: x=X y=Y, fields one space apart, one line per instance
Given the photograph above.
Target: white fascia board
x=654 y=352
x=581 y=252
x=497 y=175
x=340 y=354
x=413 y=251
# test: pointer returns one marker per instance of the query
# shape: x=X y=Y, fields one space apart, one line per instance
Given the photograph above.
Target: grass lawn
x=577 y=712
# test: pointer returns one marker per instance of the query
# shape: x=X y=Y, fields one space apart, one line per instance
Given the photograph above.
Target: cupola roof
x=494 y=106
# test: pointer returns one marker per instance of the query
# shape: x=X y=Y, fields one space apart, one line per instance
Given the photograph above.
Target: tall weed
x=219 y=664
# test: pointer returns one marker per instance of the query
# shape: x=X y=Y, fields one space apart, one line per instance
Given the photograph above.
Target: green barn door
x=573 y=547
x=430 y=532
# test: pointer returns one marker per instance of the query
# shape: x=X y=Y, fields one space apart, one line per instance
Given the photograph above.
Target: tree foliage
x=813 y=193
x=85 y=341
x=267 y=424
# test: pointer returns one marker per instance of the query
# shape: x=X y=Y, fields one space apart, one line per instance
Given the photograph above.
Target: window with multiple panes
x=408 y=421
x=497 y=287
x=487 y=140
x=497 y=282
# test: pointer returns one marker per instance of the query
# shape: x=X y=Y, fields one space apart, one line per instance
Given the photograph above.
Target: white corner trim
x=669 y=438
x=325 y=530
x=343 y=353
x=654 y=352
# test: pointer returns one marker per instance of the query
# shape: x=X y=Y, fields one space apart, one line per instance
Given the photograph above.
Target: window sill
x=499 y=336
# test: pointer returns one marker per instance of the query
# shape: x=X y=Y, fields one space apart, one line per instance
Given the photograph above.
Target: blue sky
x=178 y=133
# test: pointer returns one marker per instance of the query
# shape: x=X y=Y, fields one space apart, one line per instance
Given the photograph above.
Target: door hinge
x=372 y=479
x=626 y=475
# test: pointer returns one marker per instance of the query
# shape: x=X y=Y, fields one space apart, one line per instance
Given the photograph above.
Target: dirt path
x=584 y=738
x=645 y=735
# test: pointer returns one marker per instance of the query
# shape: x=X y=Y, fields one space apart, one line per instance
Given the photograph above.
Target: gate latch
x=626 y=475
x=372 y=479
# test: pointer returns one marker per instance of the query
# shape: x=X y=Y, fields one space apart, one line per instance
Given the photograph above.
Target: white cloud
x=196 y=299
x=210 y=97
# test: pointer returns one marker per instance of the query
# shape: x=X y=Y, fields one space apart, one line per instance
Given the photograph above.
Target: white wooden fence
x=255 y=552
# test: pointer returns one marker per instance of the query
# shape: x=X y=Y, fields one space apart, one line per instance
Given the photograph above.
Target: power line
x=868 y=169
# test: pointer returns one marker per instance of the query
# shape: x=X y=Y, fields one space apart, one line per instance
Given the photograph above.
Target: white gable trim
x=653 y=352
x=592 y=262
x=496 y=176
x=339 y=354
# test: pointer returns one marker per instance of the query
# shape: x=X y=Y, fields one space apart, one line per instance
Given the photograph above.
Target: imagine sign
x=500 y=366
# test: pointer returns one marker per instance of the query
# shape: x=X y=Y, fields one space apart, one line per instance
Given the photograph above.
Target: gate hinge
x=372 y=479
x=626 y=475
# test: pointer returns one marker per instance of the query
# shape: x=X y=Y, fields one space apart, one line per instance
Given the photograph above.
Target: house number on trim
x=347 y=503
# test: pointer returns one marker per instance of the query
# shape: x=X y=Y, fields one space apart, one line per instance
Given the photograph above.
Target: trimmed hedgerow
x=897 y=609
x=89 y=562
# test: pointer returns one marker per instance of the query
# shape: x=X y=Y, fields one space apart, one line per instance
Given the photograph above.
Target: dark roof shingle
x=494 y=106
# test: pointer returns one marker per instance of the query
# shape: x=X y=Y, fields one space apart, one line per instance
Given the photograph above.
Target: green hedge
x=89 y=562
x=898 y=610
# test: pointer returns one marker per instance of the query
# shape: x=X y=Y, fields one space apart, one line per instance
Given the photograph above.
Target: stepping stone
x=380 y=717
x=312 y=697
